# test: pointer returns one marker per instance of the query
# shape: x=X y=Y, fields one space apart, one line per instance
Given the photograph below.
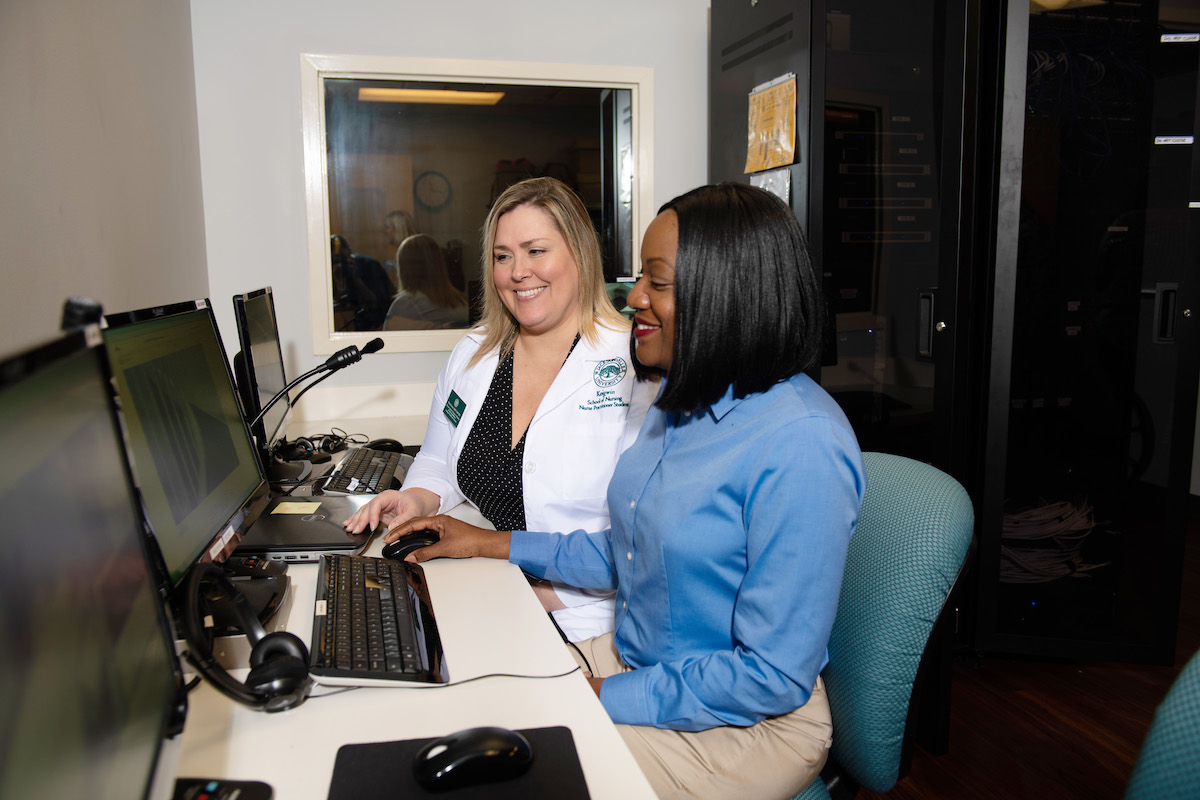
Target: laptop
x=302 y=528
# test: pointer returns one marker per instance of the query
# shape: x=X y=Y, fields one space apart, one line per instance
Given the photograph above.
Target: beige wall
x=99 y=160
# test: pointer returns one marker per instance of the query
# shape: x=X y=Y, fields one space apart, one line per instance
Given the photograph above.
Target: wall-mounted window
x=397 y=146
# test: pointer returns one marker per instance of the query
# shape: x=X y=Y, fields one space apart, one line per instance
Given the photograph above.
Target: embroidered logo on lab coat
x=610 y=373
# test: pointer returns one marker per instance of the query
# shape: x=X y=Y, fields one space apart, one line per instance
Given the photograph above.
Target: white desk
x=490 y=622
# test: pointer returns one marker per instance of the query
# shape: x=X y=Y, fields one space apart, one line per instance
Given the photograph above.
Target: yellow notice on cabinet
x=772 y=139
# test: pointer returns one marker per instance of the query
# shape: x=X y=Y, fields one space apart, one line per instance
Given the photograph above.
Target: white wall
x=99 y=161
x=247 y=64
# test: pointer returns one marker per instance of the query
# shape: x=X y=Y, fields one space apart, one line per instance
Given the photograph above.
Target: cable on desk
x=571 y=644
x=294 y=485
x=427 y=686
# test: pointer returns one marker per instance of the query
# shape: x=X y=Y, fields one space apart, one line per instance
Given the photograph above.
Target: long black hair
x=748 y=304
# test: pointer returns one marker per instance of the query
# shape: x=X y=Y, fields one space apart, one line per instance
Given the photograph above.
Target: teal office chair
x=913 y=538
x=1168 y=764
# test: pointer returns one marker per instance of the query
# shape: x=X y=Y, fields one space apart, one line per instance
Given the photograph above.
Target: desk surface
x=490 y=623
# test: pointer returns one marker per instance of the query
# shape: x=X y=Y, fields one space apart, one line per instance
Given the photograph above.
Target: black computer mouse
x=413 y=540
x=386 y=445
x=472 y=757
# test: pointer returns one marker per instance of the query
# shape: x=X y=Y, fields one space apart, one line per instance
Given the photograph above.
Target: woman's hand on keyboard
x=391 y=508
x=456 y=539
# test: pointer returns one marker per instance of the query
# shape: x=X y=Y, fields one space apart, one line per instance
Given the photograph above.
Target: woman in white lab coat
x=535 y=406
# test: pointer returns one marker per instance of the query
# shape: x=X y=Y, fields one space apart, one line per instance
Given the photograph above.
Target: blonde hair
x=571 y=219
x=422 y=269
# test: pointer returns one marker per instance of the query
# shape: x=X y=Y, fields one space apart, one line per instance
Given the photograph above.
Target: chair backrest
x=1168 y=764
x=912 y=539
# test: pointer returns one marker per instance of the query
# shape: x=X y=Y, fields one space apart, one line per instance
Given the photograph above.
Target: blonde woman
x=535 y=405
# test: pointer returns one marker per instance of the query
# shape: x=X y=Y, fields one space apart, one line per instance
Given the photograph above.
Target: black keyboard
x=373 y=623
x=364 y=471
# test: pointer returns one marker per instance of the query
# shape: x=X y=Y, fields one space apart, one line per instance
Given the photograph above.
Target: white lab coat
x=590 y=414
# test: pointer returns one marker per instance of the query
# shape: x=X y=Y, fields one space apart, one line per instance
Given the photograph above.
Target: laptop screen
x=89 y=675
x=193 y=460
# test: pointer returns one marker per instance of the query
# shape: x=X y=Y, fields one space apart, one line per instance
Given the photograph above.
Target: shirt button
x=624 y=604
x=530 y=467
x=629 y=556
x=687 y=413
x=632 y=503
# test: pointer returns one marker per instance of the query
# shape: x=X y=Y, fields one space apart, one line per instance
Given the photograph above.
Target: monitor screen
x=193 y=459
x=89 y=674
x=259 y=367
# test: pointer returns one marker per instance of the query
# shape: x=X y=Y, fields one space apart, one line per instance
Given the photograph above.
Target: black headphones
x=278 y=678
x=299 y=450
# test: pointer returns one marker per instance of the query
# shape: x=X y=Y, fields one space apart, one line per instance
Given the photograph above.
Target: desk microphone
x=349 y=355
x=342 y=358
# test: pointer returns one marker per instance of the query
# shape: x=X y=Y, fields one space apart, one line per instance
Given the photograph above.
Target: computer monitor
x=260 y=374
x=193 y=459
x=91 y=687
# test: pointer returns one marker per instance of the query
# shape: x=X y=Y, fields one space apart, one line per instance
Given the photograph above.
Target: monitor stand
x=280 y=471
x=264 y=584
x=265 y=595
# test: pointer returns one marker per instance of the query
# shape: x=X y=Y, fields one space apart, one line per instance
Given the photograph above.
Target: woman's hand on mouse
x=391 y=507
x=457 y=539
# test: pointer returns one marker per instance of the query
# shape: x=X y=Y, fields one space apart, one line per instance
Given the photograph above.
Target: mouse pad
x=384 y=769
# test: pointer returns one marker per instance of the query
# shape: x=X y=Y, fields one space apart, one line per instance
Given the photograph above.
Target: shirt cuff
x=623 y=696
x=531 y=551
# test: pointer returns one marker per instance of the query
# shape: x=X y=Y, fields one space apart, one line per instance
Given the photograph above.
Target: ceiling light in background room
x=441 y=96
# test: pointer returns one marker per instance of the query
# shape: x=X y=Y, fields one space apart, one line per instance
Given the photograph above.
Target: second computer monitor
x=193 y=459
x=259 y=366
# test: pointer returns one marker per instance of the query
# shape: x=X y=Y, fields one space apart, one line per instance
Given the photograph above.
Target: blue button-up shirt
x=729 y=534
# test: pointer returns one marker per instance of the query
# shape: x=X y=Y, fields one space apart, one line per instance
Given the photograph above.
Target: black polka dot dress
x=490 y=471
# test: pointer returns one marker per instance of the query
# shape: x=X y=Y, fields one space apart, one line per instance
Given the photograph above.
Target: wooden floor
x=1038 y=729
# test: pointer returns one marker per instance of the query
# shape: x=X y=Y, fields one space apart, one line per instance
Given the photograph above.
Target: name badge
x=454 y=409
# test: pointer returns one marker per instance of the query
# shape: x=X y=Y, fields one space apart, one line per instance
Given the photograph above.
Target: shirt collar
x=717 y=410
x=725 y=404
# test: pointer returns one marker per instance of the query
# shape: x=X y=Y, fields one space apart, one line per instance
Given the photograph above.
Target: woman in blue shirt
x=731 y=513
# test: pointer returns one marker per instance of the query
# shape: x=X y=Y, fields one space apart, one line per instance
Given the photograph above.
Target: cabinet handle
x=925 y=325
x=1166 y=300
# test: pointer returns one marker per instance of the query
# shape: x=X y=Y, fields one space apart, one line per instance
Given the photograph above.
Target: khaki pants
x=776 y=758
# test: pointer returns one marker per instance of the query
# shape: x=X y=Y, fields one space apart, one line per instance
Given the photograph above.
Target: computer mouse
x=386 y=445
x=413 y=540
x=471 y=757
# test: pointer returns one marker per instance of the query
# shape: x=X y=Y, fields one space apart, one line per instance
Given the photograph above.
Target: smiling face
x=534 y=272
x=653 y=296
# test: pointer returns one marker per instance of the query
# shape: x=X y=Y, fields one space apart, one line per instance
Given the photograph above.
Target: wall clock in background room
x=432 y=190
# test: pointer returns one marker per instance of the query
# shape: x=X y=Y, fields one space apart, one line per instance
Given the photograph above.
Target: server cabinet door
x=1084 y=560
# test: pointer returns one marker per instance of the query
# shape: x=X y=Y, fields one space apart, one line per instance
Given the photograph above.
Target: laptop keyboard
x=364 y=471
x=373 y=621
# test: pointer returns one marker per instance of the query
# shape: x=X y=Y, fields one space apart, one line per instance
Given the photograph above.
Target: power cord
x=1045 y=543
x=427 y=686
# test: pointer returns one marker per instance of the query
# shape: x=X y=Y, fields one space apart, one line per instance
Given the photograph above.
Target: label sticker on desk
x=296 y=508
x=454 y=409
x=319 y=609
